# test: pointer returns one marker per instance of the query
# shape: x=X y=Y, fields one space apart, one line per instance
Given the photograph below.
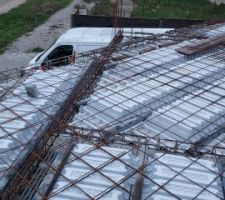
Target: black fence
x=104 y=21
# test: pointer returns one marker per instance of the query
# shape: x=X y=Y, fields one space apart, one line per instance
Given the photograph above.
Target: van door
x=60 y=56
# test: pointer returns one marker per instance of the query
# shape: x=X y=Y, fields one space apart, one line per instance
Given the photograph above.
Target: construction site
x=140 y=119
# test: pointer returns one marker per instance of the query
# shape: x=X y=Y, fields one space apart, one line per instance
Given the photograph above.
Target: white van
x=78 y=40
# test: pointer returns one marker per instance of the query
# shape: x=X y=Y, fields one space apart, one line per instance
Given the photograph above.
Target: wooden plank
x=202 y=45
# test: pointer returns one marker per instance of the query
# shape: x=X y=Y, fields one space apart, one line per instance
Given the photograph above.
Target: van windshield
x=60 y=52
x=38 y=58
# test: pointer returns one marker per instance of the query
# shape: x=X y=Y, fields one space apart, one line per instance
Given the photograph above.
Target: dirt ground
x=6 y=5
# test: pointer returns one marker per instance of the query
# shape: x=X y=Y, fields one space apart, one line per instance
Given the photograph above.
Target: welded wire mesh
x=142 y=121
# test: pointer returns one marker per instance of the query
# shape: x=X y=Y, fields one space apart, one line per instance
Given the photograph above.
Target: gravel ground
x=127 y=7
x=19 y=53
x=7 y=5
x=9 y=61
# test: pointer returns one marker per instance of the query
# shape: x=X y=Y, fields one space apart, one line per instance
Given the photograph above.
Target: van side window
x=61 y=51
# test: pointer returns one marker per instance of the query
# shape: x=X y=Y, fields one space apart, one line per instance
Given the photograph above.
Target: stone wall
x=218 y=2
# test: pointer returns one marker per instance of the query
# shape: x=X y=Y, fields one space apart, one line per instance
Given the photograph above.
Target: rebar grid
x=187 y=78
x=120 y=92
x=94 y=70
x=136 y=170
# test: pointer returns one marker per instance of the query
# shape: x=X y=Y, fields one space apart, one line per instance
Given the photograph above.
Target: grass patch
x=103 y=8
x=36 y=50
x=25 y=18
x=189 y=9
